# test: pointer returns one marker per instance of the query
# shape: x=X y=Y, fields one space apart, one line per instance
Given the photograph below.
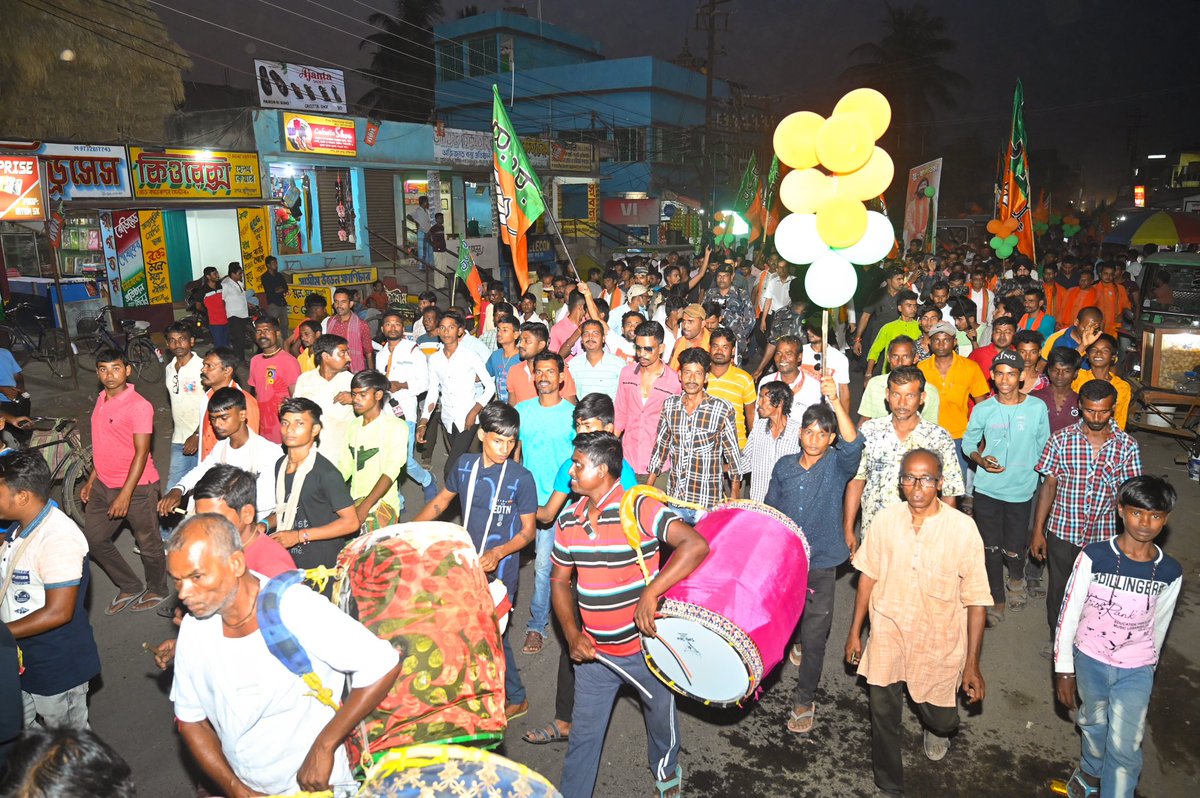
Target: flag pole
x=561 y=240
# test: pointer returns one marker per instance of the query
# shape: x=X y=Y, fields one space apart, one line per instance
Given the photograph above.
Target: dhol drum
x=728 y=623
x=432 y=771
x=420 y=587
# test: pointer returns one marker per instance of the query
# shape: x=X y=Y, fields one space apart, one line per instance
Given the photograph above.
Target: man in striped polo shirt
x=616 y=605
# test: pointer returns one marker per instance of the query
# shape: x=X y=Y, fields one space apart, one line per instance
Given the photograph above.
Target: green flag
x=518 y=194
x=748 y=188
x=467 y=272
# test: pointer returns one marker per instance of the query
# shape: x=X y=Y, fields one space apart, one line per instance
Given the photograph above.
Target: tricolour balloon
x=831 y=281
x=805 y=190
x=868 y=182
x=796 y=238
x=844 y=143
x=795 y=139
x=873 y=107
x=875 y=244
x=841 y=222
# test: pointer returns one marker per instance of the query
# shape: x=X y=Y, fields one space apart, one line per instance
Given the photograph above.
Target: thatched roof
x=108 y=92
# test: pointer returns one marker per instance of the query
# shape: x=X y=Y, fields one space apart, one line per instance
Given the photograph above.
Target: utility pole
x=706 y=19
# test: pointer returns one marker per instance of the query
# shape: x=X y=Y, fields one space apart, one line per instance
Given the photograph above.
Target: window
x=450 y=61
x=630 y=143
x=482 y=57
x=669 y=145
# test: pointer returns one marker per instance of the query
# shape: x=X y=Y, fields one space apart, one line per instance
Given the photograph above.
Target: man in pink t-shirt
x=272 y=375
x=123 y=488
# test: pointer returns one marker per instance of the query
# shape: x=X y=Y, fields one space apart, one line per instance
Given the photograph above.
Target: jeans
x=887 y=730
x=514 y=688
x=539 y=607
x=220 y=334
x=1112 y=720
x=813 y=631
x=142 y=519
x=596 y=686
x=180 y=464
x=237 y=336
x=1060 y=559
x=966 y=466
x=1004 y=529
x=280 y=314
x=67 y=709
x=413 y=466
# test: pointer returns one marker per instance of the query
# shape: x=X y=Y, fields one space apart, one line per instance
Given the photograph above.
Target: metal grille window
x=483 y=58
x=630 y=143
x=450 y=61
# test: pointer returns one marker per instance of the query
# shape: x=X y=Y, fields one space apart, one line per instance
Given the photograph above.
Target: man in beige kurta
x=924 y=588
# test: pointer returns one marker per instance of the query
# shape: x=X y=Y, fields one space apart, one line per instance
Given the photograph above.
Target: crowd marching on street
x=985 y=469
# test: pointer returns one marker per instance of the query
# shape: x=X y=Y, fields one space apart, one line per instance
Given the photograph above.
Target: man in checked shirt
x=697 y=433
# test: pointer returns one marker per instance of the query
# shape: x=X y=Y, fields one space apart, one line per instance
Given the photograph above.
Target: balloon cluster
x=1004 y=238
x=829 y=226
x=722 y=228
x=1070 y=226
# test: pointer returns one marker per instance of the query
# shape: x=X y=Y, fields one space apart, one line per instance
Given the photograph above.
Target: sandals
x=533 y=643
x=802 y=722
x=1034 y=589
x=1078 y=786
x=796 y=655
x=514 y=711
x=994 y=618
x=1017 y=598
x=675 y=785
x=545 y=734
x=119 y=603
x=147 y=601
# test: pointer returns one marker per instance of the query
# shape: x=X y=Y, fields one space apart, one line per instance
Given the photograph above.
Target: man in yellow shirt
x=958 y=381
x=727 y=381
x=1101 y=356
x=693 y=334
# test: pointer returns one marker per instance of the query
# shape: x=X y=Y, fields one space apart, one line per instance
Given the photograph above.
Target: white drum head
x=717 y=673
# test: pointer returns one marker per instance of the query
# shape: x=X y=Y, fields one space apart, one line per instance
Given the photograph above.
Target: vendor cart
x=1166 y=374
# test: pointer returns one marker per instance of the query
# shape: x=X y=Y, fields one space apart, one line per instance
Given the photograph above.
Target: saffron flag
x=1014 y=188
x=467 y=272
x=519 y=200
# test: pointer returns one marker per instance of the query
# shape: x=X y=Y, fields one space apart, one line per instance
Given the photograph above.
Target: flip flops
x=802 y=722
x=147 y=601
x=120 y=602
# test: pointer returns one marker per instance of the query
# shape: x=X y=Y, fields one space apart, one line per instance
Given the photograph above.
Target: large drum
x=729 y=623
x=433 y=771
x=420 y=587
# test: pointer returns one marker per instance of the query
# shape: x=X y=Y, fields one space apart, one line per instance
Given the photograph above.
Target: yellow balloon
x=805 y=190
x=871 y=105
x=844 y=143
x=841 y=222
x=868 y=182
x=795 y=139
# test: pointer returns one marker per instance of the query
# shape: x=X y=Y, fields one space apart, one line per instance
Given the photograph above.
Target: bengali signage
x=574 y=156
x=131 y=262
x=194 y=174
x=364 y=275
x=474 y=148
x=254 y=234
x=79 y=171
x=319 y=135
x=154 y=256
x=20 y=189
x=593 y=199
x=110 y=287
x=300 y=88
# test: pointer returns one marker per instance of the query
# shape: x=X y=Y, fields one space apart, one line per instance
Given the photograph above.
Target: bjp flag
x=519 y=200
x=1014 y=187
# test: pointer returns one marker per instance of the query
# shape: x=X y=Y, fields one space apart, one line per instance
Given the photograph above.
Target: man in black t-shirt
x=314 y=513
x=275 y=286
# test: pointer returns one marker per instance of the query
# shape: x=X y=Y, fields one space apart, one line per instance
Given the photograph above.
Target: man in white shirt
x=636 y=297
x=806 y=386
x=594 y=370
x=819 y=356
x=252 y=724
x=187 y=402
x=407 y=370
x=776 y=293
x=329 y=386
x=422 y=216
x=237 y=445
x=454 y=373
x=233 y=291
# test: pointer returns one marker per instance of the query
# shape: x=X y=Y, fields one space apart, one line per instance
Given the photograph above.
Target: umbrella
x=1165 y=228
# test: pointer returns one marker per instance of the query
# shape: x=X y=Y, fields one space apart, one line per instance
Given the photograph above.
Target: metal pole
x=62 y=315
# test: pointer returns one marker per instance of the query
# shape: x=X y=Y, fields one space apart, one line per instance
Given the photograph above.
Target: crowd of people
x=985 y=466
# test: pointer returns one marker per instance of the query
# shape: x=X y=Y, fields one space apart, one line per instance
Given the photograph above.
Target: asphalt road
x=1012 y=745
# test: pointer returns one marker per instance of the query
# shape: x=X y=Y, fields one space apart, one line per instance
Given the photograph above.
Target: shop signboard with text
x=194 y=174
x=131 y=261
x=319 y=135
x=154 y=256
x=300 y=87
x=79 y=171
x=631 y=212
x=20 y=189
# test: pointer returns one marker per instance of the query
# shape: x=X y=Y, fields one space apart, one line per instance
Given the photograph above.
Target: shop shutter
x=327 y=208
x=381 y=214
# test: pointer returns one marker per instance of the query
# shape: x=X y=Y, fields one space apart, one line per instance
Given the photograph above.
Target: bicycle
x=134 y=341
x=50 y=346
x=70 y=462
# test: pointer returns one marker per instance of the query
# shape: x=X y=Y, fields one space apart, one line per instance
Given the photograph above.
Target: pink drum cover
x=755 y=575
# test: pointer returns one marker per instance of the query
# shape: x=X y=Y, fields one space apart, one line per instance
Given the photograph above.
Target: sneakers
x=935 y=746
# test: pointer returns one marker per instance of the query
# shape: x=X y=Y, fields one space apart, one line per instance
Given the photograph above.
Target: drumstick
x=626 y=676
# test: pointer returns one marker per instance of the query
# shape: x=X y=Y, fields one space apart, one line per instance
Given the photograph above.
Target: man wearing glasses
x=641 y=392
x=924 y=585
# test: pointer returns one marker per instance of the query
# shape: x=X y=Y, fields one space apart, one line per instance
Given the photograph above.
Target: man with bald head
x=251 y=724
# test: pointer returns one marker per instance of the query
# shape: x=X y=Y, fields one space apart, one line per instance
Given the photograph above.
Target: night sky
x=1088 y=65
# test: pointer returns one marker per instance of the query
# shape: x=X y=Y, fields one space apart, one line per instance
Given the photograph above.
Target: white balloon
x=831 y=281
x=797 y=240
x=875 y=244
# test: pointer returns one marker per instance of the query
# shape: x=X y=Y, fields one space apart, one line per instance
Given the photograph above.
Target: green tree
x=402 y=65
x=906 y=65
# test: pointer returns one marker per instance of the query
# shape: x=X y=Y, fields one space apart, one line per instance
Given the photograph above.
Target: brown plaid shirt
x=696 y=444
